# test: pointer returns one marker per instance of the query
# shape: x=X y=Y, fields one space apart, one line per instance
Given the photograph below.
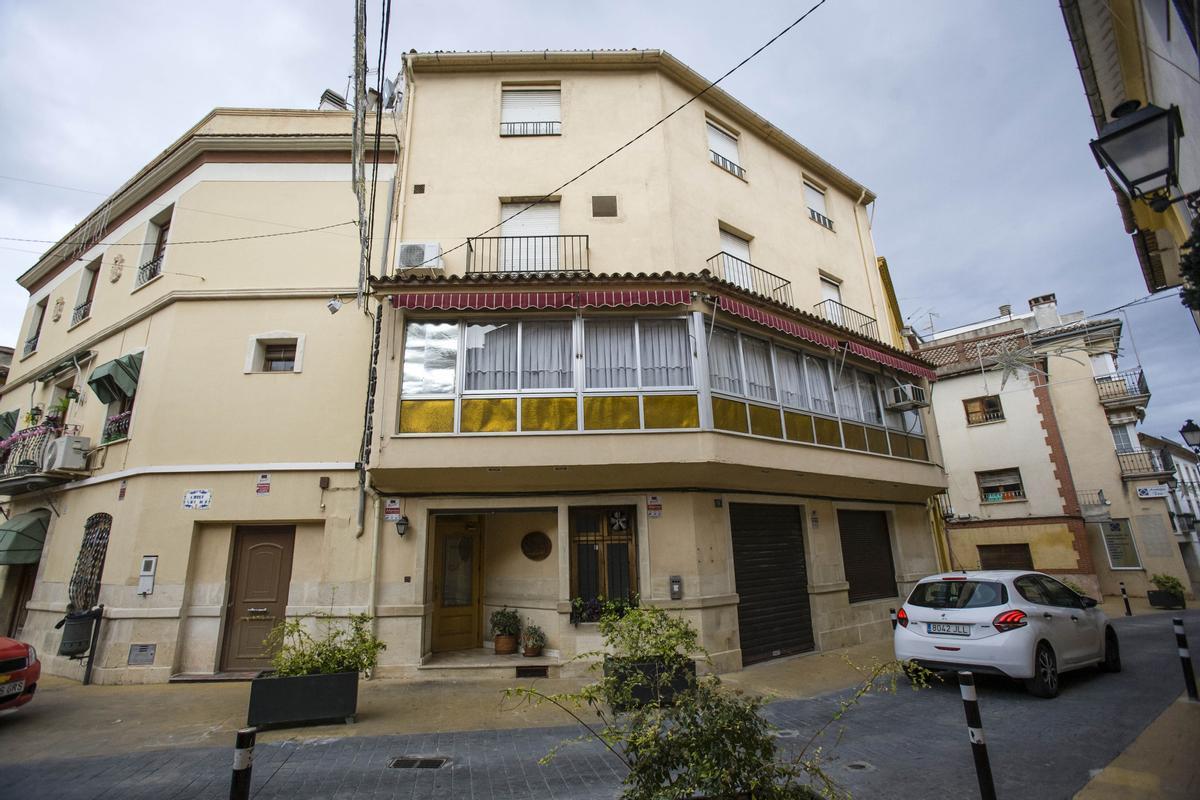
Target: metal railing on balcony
x=24 y=451
x=116 y=427
x=980 y=417
x=753 y=279
x=1093 y=504
x=727 y=165
x=498 y=254
x=1003 y=496
x=848 y=317
x=820 y=219
x=30 y=344
x=81 y=312
x=1121 y=387
x=151 y=269
x=1139 y=463
x=530 y=128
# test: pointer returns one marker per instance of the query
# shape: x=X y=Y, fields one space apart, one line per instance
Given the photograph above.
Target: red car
x=19 y=673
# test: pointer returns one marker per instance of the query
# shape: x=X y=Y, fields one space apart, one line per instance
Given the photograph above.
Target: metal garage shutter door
x=1005 y=556
x=772 y=582
x=867 y=555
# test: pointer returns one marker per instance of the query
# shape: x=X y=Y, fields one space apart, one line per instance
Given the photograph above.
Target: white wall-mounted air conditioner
x=67 y=454
x=906 y=397
x=413 y=256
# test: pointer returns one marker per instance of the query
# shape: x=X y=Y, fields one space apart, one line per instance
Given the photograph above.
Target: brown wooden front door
x=456 y=583
x=258 y=595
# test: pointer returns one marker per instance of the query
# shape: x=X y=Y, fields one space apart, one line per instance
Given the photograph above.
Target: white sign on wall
x=195 y=499
x=1147 y=492
x=653 y=506
x=391 y=509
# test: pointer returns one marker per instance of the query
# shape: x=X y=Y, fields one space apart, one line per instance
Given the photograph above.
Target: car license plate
x=12 y=688
x=950 y=628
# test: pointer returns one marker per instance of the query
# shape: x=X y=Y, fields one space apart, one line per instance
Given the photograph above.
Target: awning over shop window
x=745 y=311
x=117 y=378
x=889 y=360
x=21 y=537
x=511 y=301
x=8 y=422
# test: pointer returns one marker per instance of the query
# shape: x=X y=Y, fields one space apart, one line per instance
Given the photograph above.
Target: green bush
x=346 y=646
x=647 y=633
x=505 y=622
x=1169 y=584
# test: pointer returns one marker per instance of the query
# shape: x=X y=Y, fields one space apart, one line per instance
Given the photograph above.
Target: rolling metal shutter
x=772 y=581
x=867 y=555
x=1005 y=556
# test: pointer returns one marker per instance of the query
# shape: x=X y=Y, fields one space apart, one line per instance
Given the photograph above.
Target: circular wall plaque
x=535 y=545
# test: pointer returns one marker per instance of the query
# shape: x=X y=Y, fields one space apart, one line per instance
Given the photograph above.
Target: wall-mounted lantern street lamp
x=1140 y=150
x=1191 y=435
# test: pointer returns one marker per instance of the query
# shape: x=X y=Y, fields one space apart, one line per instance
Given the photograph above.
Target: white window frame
x=714 y=131
x=256 y=347
x=553 y=127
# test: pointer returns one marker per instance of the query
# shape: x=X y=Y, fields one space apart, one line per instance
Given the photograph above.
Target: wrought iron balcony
x=820 y=219
x=753 y=279
x=30 y=344
x=151 y=269
x=981 y=417
x=23 y=457
x=499 y=254
x=1127 y=388
x=530 y=128
x=727 y=165
x=1002 y=496
x=848 y=317
x=82 y=312
x=1093 y=505
x=116 y=427
x=1137 y=464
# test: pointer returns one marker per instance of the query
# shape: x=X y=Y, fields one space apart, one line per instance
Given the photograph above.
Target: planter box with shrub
x=1168 y=592
x=658 y=680
x=303 y=699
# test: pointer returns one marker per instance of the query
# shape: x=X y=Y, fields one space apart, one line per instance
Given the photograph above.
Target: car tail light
x=1009 y=620
x=902 y=618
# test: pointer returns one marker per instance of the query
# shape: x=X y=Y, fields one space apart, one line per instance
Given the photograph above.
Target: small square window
x=604 y=205
x=981 y=410
x=279 y=357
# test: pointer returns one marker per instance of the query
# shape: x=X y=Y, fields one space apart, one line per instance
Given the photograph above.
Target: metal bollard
x=243 y=761
x=983 y=767
x=1185 y=658
x=1125 y=597
x=892 y=611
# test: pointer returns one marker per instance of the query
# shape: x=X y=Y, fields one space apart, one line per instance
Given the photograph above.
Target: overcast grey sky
x=967 y=118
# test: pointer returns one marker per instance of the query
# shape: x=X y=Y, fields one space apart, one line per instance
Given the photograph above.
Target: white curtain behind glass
x=430 y=351
x=666 y=352
x=547 y=360
x=608 y=354
x=868 y=396
x=490 y=353
x=847 y=392
x=792 y=390
x=760 y=383
x=724 y=364
x=819 y=386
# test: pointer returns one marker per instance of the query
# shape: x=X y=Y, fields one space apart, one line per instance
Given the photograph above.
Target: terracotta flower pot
x=532 y=652
x=505 y=645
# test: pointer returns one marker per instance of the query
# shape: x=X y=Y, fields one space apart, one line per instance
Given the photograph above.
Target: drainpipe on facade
x=937 y=528
x=372 y=592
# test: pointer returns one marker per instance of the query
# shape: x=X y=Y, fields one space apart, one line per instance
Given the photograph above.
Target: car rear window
x=959 y=594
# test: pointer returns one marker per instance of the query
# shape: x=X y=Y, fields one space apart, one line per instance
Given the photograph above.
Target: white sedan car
x=1025 y=625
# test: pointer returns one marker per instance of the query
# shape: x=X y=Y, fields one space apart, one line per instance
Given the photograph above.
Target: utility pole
x=358 y=156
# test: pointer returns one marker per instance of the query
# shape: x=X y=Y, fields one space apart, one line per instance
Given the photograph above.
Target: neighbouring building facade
x=1037 y=422
x=1183 y=498
x=677 y=380
x=1145 y=52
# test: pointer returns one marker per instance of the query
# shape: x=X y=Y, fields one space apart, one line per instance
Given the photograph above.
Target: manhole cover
x=860 y=766
x=411 y=762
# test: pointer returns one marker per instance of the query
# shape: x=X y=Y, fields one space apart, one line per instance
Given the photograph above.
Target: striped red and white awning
x=745 y=311
x=889 y=360
x=512 y=301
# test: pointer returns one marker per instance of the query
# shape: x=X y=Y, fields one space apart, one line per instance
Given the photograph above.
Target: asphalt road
x=910 y=745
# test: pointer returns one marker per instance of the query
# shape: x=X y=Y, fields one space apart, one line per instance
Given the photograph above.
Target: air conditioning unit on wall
x=416 y=256
x=906 y=397
x=67 y=454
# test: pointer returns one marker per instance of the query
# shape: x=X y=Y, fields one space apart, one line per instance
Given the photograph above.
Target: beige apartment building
x=677 y=380
x=1037 y=415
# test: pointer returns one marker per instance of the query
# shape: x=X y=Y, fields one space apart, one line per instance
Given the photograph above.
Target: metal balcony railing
x=81 y=312
x=151 y=269
x=496 y=254
x=1093 y=504
x=1121 y=388
x=24 y=452
x=1145 y=463
x=820 y=219
x=753 y=279
x=530 y=128
x=1002 y=496
x=116 y=427
x=980 y=417
x=727 y=165
x=848 y=317
x=30 y=344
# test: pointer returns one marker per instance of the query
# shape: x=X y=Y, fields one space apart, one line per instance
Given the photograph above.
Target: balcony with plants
x=26 y=454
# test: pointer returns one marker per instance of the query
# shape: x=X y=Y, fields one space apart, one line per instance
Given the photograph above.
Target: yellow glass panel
x=916 y=446
x=549 y=414
x=799 y=426
x=671 y=410
x=856 y=436
x=488 y=414
x=827 y=431
x=610 y=413
x=765 y=421
x=729 y=415
x=877 y=441
x=427 y=416
x=899 y=444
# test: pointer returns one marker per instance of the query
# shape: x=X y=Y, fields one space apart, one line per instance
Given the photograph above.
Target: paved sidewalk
x=1161 y=763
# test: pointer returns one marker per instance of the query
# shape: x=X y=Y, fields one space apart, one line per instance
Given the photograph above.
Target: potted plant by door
x=1169 y=593
x=314 y=679
x=506 y=627
x=650 y=660
x=534 y=640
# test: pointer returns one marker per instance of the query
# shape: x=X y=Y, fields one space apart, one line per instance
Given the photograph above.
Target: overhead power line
x=193 y=241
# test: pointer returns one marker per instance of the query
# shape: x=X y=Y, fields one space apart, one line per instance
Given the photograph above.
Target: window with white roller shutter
x=723 y=147
x=531 y=112
x=529 y=237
